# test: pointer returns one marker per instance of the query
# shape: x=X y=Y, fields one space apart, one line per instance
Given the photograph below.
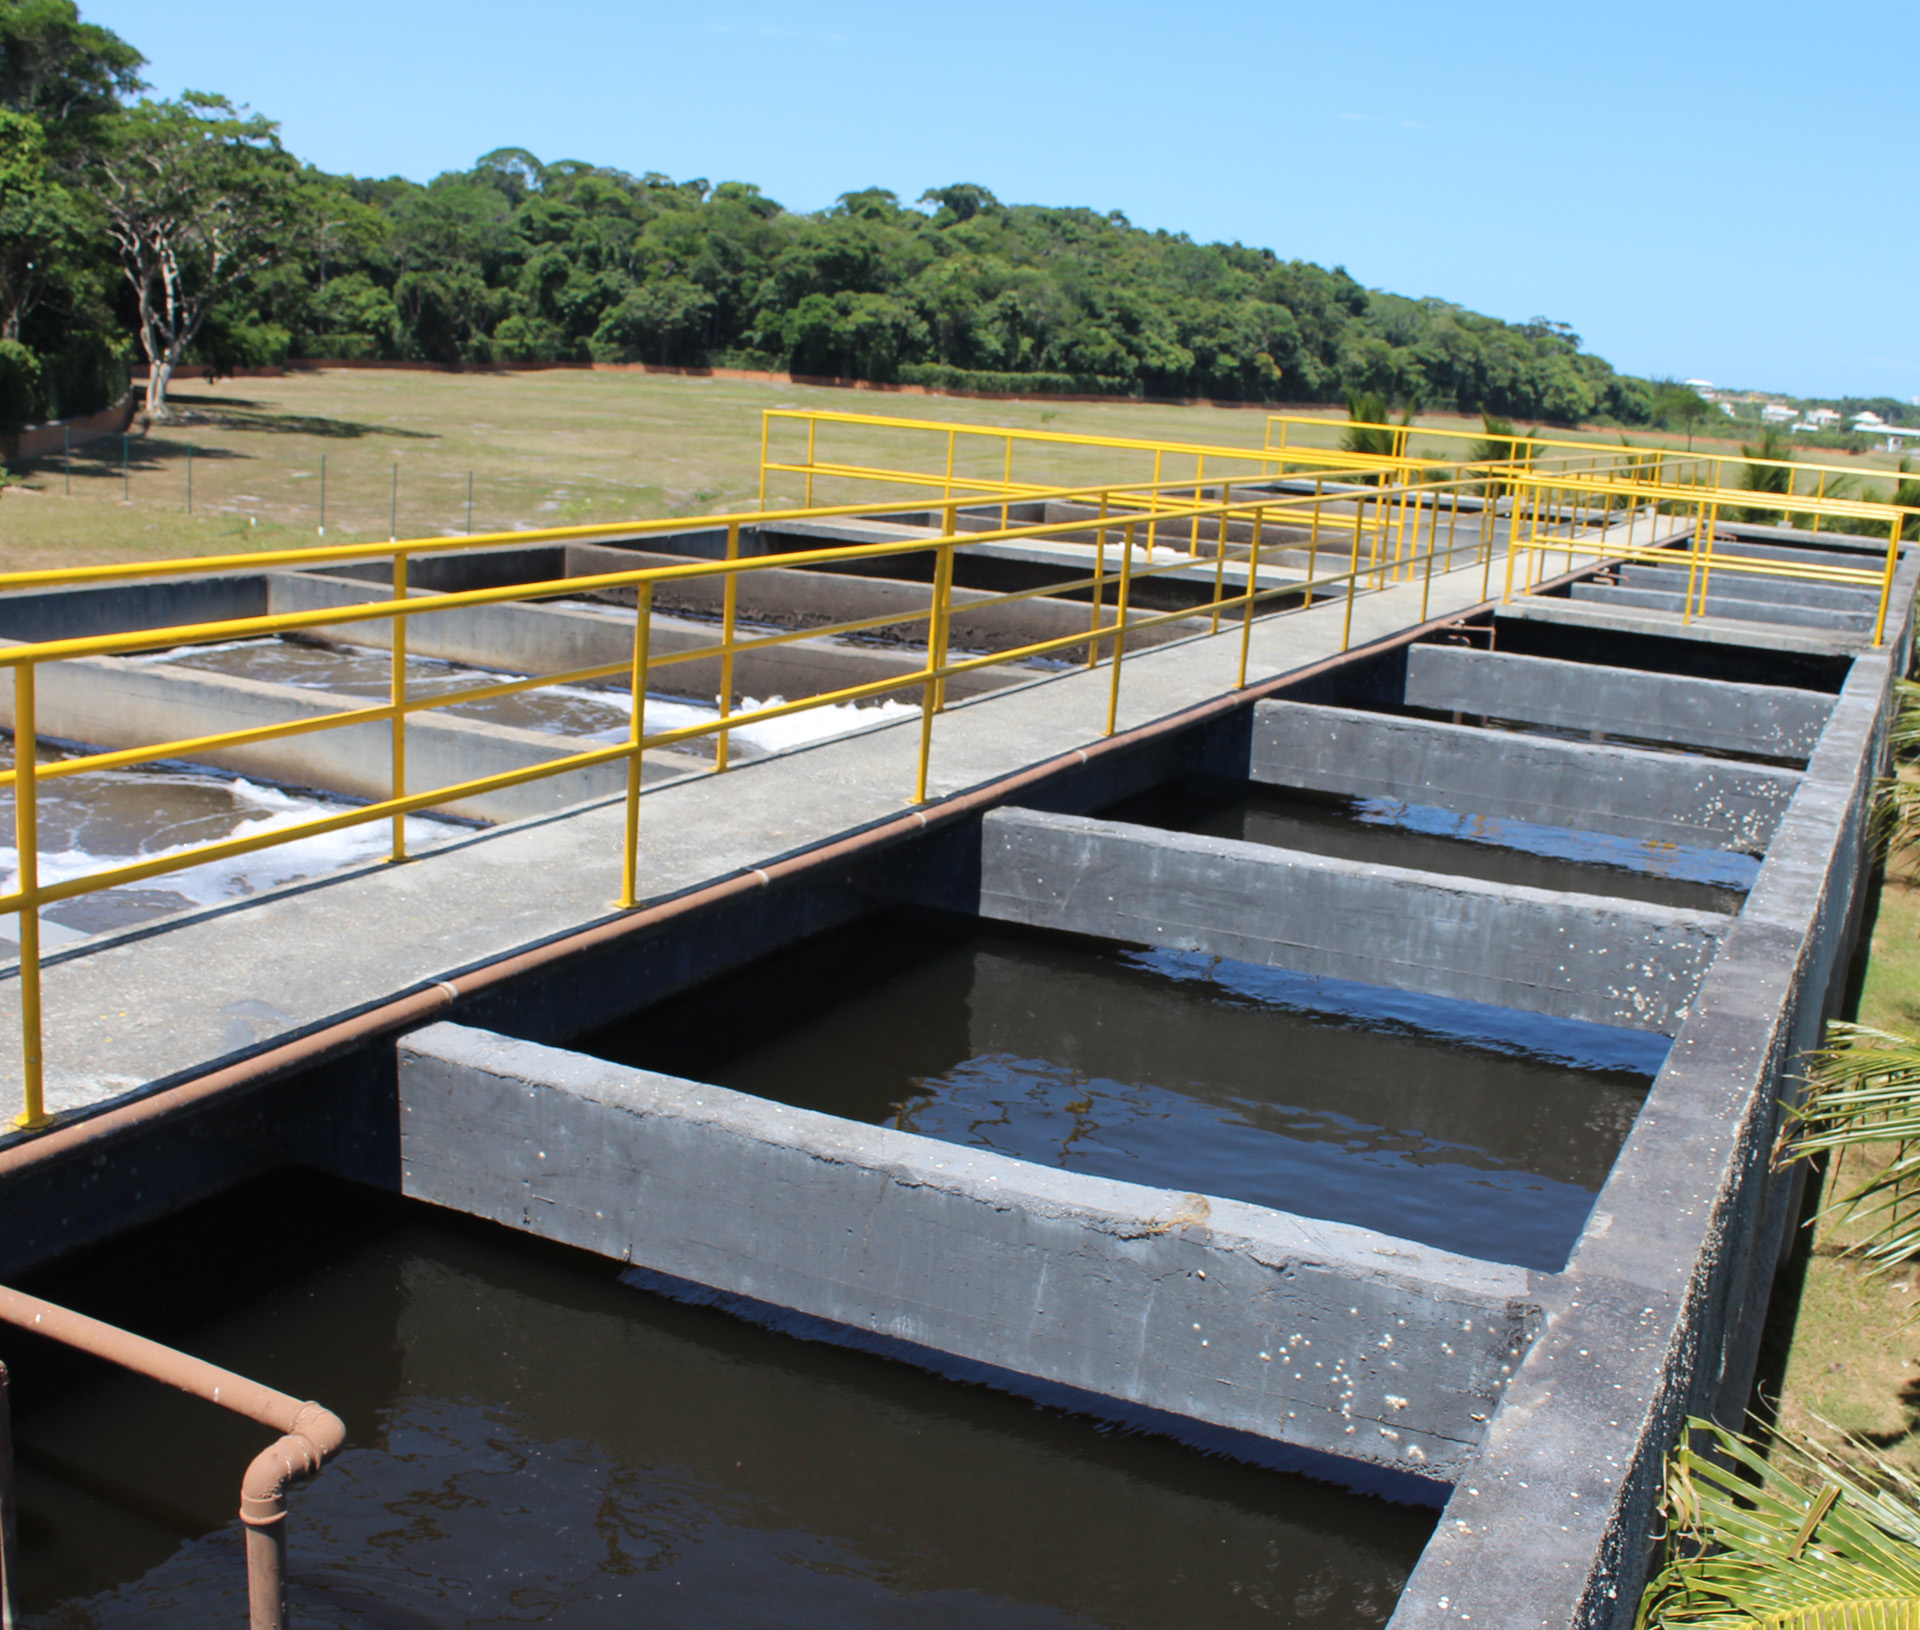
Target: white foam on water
x=175 y=653
x=258 y=810
x=780 y=735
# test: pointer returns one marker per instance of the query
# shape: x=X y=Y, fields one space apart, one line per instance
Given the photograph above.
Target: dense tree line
x=182 y=233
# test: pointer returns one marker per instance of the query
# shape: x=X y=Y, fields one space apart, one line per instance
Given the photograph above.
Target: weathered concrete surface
x=1573 y=956
x=1726 y=600
x=273 y=959
x=1588 y=787
x=795 y=598
x=1658 y=1312
x=1784 y=591
x=1769 y=720
x=1309 y=1333
x=1672 y=625
x=124 y=608
x=515 y=637
x=106 y=702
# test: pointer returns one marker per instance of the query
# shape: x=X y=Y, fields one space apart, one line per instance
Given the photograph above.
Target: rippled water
x=1477 y=1129
x=591 y=713
x=106 y=818
x=532 y=1442
x=1391 y=832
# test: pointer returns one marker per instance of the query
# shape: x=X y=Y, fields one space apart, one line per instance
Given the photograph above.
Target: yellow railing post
x=1313 y=542
x=26 y=838
x=812 y=426
x=1120 y=640
x=1353 y=572
x=1007 y=481
x=942 y=594
x=937 y=635
x=1706 y=563
x=1153 y=510
x=946 y=490
x=636 y=733
x=1199 y=498
x=1894 y=528
x=1099 y=579
x=1253 y=587
x=1219 y=566
x=766 y=421
x=399 y=699
x=729 y=605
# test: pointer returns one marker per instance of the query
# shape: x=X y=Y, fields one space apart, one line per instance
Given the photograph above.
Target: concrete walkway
x=133 y=1011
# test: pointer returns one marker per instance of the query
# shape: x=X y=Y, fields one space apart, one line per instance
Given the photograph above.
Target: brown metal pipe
x=311 y=1435
x=8 y=1538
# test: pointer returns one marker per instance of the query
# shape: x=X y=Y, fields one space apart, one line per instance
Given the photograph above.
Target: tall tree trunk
x=159 y=376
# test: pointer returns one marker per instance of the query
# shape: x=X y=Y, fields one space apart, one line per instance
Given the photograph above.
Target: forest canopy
x=181 y=233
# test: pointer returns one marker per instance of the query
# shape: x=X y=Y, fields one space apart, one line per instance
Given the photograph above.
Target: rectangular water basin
x=1476 y=1129
x=1423 y=837
x=531 y=1440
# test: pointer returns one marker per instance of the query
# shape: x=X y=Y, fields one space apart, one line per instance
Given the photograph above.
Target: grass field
x=402 y=449
x=1852 y=1352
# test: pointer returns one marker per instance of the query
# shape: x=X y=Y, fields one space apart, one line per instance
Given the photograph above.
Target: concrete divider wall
x=1745 y=586
x=1570 y=955
x=35 y=615
x=1314 y=1334
x=1725 y=599
x=1768 y=720
x=1589 y=787
x=1657 y=1314
x=521 y=638
x=114 y=704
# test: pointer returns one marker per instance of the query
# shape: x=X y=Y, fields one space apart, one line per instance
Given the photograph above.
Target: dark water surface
x=532 y=1442
x=1476 y=1129
x=1390 y=832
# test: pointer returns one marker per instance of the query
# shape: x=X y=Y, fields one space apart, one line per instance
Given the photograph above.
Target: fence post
x=126 y=478
x=189 y=478
x=469 y=503
x=630 y=852
x=66 y=456
x=1120 y=640
x=323 y=495
x=398 y=691
x=393 y=511
x=730 y=596
x=26 y=837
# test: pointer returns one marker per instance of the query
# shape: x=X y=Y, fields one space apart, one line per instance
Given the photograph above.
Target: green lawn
x=541 y=449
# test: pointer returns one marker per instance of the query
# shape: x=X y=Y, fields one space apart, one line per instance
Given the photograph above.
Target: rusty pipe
x=9 y=1575
x=311 y=1435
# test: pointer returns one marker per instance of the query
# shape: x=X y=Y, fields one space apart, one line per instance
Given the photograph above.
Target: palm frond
x=1797 y=1540
x=1904 y=734
x=1863 y=1088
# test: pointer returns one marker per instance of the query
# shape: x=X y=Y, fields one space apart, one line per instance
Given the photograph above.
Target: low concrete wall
x=799 y=599
x=1783 y=591
x=124 y=608
x=1314 y=1334
x=516 y=637
x=1770 y=720
x=1589 y=787
x=109 y=703
x=1723 y=601
x=1571 y=955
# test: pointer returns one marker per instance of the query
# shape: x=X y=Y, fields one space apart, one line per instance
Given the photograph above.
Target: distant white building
x=1824 y=419
x=1777 y=413
x=1727 y=409
x=1703 y=386
x=1869 y=421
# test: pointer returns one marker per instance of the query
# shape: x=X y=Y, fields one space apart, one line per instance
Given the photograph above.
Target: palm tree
x=1795 y=1540
x=1768 y=470
x=1367 y=431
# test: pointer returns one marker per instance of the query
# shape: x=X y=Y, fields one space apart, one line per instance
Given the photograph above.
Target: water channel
x=1477 y=1129
x=532 y=1441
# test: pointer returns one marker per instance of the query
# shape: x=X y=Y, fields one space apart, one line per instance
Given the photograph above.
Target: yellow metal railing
x=1347 y=523
x=1367 y=539
x=1553 y=517
x=1533 y=452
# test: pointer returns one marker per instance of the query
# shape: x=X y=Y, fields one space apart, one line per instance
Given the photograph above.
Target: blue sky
x=1716 y=191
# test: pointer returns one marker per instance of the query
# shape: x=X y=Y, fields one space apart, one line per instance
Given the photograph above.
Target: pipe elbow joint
x=313 y=1439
